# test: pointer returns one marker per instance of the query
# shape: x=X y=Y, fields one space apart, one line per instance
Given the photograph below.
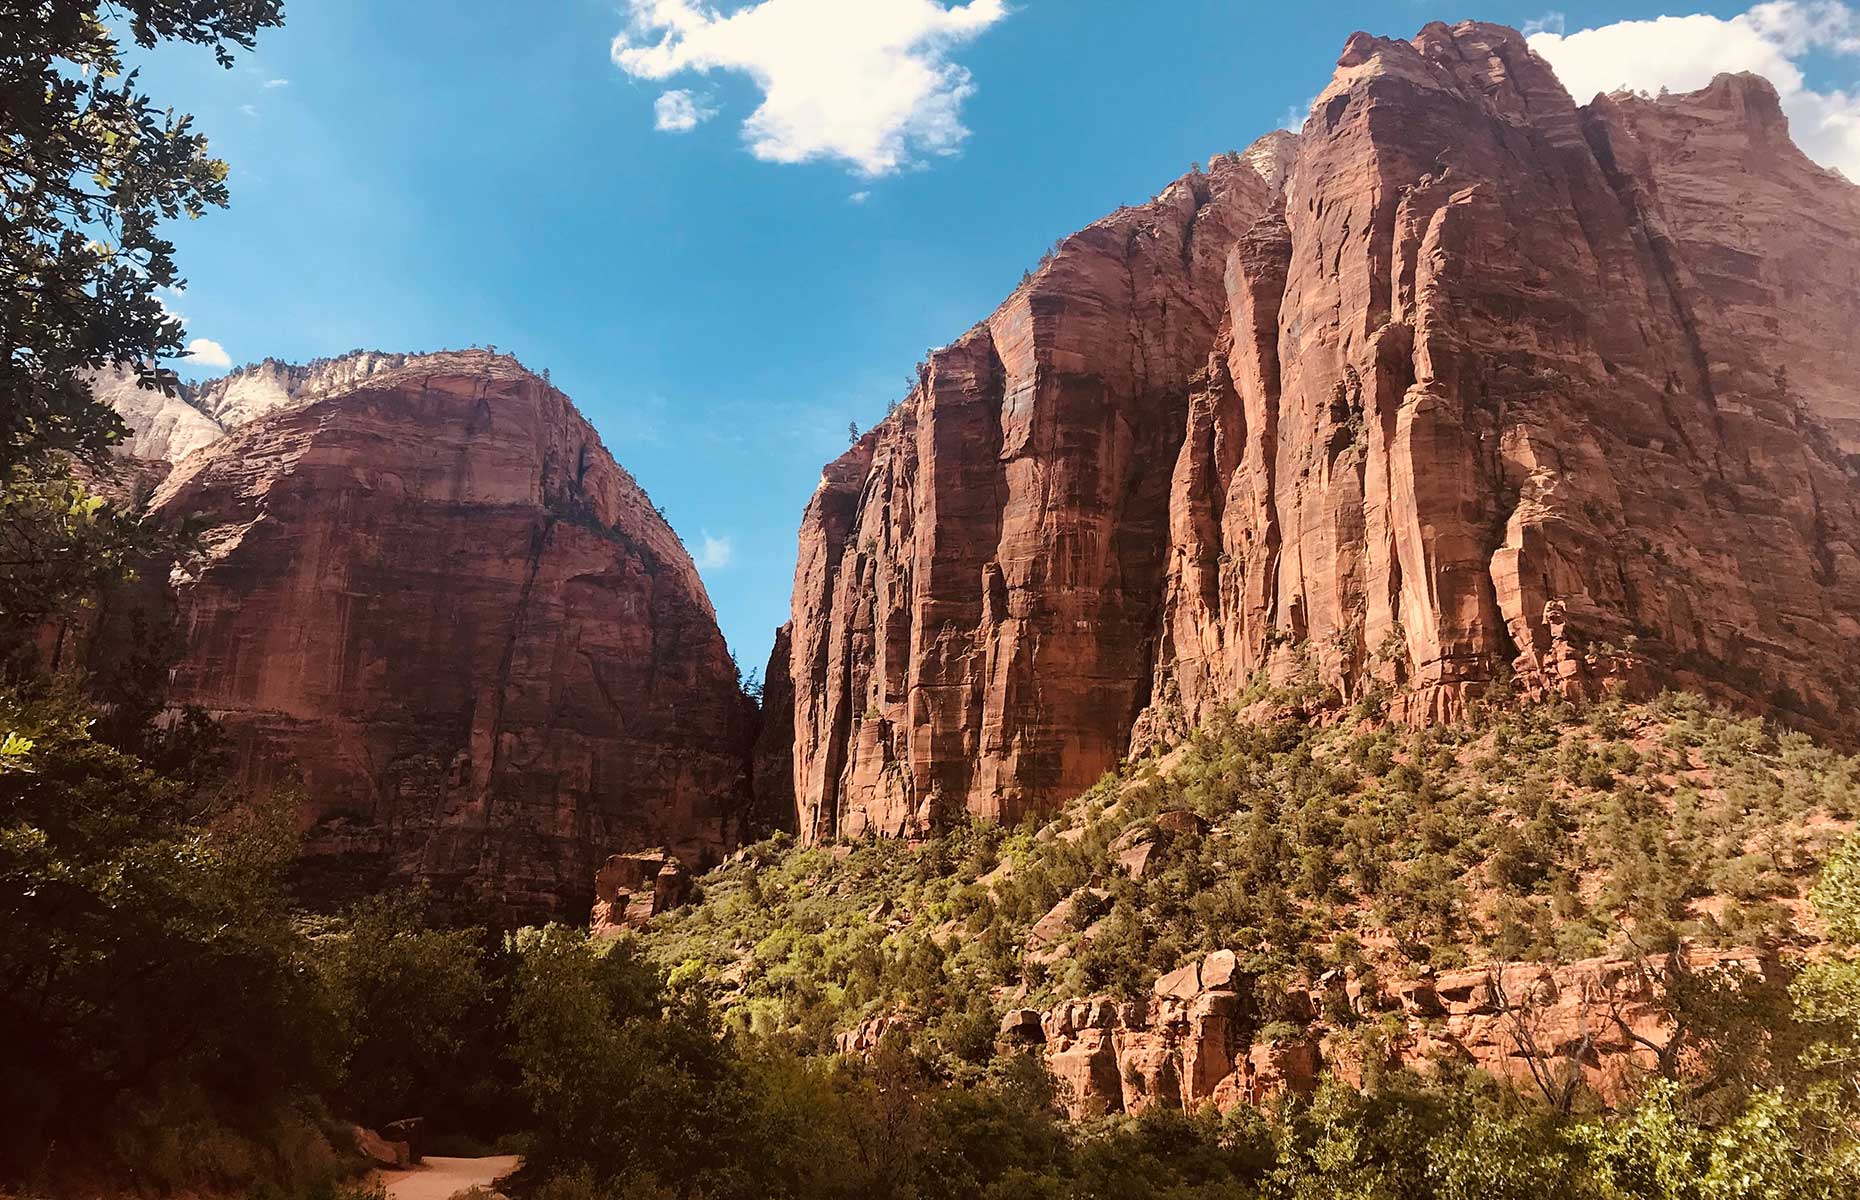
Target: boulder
x=630 y=889
x=1022 y=1026
x=379 y=1151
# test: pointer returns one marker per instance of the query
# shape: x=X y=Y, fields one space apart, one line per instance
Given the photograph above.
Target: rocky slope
x=1210 y=1033
x=429 y=595
x=1575 y=890
x=1464 y=381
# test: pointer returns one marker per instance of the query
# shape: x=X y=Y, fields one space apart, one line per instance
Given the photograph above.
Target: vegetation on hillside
x=1544 y=832
x=183 y=1027
x=709 y=1113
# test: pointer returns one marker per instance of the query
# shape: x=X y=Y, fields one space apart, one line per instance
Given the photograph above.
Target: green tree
x=625 y=1081
x=148 y=948
x=90 y=169
x=415 y=1007
x=1827 y=994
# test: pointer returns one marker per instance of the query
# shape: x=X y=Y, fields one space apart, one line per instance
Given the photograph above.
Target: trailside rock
x=432 y=603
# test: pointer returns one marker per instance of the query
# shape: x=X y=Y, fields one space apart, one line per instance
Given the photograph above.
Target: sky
x=729 y=228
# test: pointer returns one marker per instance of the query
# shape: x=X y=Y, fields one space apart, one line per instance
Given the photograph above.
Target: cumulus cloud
x=715 y=553
x=205 y=352
x=678 y=111
x=1682 y=53
x=865 y=82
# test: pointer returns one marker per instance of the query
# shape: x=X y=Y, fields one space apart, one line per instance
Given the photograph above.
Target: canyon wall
x=431 y=603
x=977 y=579
x=1462 y=382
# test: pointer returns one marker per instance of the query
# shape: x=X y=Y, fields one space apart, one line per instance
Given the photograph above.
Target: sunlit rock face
x=167 y=427
x=1462 y=382
x=432 y=603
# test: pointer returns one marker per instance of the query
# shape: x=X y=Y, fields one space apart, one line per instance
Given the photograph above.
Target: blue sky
x=412 y=175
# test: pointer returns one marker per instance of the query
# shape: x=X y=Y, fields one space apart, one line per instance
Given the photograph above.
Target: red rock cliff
x=978 y=578
x=431 y=591
x=1491 y=384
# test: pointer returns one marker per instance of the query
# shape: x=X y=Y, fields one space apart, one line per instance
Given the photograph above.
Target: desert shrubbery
x=1543 y=832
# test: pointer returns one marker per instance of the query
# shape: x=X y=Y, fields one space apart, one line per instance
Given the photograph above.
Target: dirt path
x=443 y=1178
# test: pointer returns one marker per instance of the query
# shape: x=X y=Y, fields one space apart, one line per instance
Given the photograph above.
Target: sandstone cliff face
x=1523 y=401
x=1464 y=381
x=162 y=428
x=166 y=429
x=429 y=591
x=252 y=391
x=977 y=581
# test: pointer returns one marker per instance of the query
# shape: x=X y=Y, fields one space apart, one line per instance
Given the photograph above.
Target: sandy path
x=442 y=1178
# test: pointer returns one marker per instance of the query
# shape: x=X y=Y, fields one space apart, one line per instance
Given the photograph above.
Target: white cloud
x=250 y=110
x=165 y=294
x=678 y=111
x=715 y=553
x=205 y=352
x=1682 y=53
x=859 y=197
x=865 y=82
x=276 y=83
x=1550 y=22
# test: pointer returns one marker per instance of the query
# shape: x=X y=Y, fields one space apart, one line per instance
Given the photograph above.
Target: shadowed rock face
x=431 y=594
x=1488 y=384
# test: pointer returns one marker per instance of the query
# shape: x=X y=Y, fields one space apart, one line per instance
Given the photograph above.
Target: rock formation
x=1211 y=1034
x=631 y=889
x=1462 y=382
x=429 y=597
x=976 y=590
x=162 y=428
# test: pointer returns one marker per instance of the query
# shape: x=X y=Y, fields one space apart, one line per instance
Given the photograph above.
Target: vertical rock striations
x=429 y=592
x=1463 y=381
x=978 y=577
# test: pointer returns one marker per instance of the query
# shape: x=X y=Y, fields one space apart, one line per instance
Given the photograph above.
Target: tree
x=411 y=1004
x=90 y=169
x=594 y=1027
x=149 y=950
x=1827 y=994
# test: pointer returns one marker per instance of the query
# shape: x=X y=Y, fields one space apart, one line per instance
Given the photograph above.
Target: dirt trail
x=443 y=1178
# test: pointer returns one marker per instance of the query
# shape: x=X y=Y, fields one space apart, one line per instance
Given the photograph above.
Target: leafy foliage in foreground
x=150 y=977
x=90 y=168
